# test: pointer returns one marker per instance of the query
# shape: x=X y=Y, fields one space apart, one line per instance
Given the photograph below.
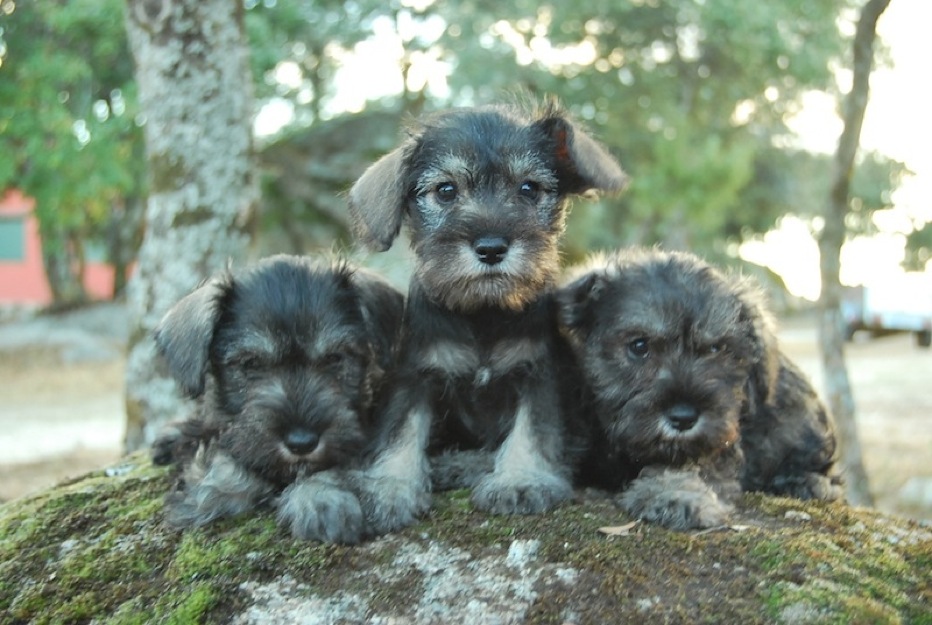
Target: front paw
x=391 y=504
x=501 y=493
x=676 y=500
x=808 y=486
x=318 y=510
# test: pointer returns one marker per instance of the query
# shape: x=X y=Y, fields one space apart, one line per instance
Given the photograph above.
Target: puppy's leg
x=460 y=469
x=214 y=487
x=791 y=448
x=395 y=489
x=675 y=498
x=530 y=475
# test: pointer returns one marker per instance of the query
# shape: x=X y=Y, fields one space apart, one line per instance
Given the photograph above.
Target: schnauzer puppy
x=695 y=400
x=282 y=359
x=483 y=193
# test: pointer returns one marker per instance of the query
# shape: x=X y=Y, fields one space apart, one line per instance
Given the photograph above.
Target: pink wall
x=24 y=281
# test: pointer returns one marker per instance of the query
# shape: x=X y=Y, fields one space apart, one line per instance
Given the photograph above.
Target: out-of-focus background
x=725 y=113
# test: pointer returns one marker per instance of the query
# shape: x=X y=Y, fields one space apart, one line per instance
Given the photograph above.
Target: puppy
x=483 y=193
x=695 y=400
x=282 y=359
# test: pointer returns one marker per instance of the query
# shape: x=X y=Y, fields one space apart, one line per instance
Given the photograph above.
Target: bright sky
x=898 y=123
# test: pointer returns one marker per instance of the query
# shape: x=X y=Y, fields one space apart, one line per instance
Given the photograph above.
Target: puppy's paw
x=810 y=486
x=677 y=500
x=529 y=493
x=214 y=487
x=320 y=510
x=391 y=503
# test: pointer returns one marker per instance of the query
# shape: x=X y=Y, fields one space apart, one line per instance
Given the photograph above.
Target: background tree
x=831 y=333
x=918 y=248
x=195 y=91
x=68 y=132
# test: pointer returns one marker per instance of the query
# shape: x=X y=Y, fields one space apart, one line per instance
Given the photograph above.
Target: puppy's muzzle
x=682 y=417
x=491 y=250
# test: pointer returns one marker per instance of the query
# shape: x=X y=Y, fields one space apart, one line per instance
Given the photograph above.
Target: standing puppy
x=483 y=193
x=695 y=399
x=282 y=359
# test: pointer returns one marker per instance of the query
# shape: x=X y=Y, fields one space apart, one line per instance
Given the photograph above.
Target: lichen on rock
x=96 y=550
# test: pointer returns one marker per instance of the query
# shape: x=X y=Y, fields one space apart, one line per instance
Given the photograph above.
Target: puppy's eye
x=446 y=192
x=715 y=348
x=247 y=361
x=343 y=364
x=639 y=348
x=333 y=360
x=529 y=189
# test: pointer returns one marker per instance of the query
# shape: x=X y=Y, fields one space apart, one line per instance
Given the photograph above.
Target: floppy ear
x=382 y=310
x=184 y=334
x=575 y=301
x=377 y=200
x=765 y=356
x=583 y=164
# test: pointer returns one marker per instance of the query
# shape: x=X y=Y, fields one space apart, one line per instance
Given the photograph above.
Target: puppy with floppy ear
x=282 y=359
x=481 y=367
x=694 y=398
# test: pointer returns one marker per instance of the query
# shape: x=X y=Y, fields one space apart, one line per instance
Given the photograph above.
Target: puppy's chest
x=478 y=367
x=476 y=390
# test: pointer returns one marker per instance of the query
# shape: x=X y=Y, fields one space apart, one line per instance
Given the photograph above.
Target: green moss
x=131 y=612
x=195 y=606
x=98 y=550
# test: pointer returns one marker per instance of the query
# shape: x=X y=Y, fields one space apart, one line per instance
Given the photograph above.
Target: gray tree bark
x=195 y=94
x=831 y=338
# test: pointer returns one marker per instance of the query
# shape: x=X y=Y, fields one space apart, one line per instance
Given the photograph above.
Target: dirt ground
x=61 y=410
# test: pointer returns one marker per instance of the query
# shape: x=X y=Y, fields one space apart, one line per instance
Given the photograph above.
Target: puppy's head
x=283 y=358
x=675 y=352
x=483 y=192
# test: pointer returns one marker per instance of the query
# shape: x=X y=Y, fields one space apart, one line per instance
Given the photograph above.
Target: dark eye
x=639 y=348
x=715 y=348
x=333 y=360
x=446 y=192
x=247 y=361
x=529 y=189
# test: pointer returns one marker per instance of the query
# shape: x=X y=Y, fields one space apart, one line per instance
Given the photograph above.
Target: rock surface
x=96 y=550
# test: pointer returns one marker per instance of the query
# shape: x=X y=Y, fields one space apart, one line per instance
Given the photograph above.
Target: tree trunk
x=196 y=95
x=831 y=338
x=61 y=268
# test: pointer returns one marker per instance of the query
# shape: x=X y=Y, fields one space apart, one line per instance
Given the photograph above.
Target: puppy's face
x=672 y=350
x=485 y=211
x=483 y=192
x=283 y=359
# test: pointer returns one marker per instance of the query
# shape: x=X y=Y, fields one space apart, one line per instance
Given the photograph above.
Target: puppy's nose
x=491 y=250
x=683 y=416
x=300 y=441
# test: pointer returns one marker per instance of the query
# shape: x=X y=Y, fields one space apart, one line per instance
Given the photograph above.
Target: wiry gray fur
x=695 y=400
x=282 y=359
x=481 y=369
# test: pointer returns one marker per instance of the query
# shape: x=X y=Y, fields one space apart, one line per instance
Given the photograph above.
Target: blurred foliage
x=68 y=131
x=918 y=248
x=692 y=96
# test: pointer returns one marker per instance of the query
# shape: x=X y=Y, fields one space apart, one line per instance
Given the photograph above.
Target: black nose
x=683 y=416
x=300 y=441
x=491 y=250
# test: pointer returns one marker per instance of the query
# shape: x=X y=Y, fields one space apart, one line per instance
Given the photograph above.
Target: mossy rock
x=97 y=550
